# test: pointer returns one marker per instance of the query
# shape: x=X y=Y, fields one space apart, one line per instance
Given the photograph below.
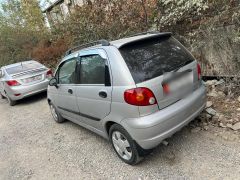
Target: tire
x=11 y=102
x=119 y=136
x=1 y=96
x=55 y=114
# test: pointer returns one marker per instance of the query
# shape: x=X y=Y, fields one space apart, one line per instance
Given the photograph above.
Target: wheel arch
x=108 y=125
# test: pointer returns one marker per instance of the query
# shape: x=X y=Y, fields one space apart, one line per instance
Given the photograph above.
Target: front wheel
x=124 y=145
x=55 y=114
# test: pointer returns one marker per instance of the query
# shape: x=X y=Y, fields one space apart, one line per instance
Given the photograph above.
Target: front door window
x=66 y=73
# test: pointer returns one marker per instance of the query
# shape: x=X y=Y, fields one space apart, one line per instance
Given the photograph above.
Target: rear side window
x=150 y=58
x=23 y=67
x=93 y=70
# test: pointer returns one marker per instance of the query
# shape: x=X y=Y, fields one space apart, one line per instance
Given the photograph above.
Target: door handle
x=70 y=91
x=102 y=94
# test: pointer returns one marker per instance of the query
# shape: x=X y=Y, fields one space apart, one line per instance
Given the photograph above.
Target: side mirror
x=53 y=82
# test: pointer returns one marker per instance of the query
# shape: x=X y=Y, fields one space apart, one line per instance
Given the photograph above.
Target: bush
x=49 y=53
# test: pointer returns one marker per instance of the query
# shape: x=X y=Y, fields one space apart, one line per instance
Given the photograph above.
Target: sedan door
x=94 y=89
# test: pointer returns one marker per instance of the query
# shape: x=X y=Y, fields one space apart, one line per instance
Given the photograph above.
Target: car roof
x=120 y=42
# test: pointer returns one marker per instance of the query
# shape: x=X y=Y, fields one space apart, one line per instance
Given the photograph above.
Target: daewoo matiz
x=135 y=91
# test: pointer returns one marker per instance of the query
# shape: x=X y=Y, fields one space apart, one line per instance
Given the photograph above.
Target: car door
x=65 y=99
x=94 y=89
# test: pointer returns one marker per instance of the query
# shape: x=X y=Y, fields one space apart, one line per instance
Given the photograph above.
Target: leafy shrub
x=49 y=53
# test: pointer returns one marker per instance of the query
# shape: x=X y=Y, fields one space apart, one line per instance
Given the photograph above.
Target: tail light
x=199 y=71
x=49 y=73
x=13 y=83
x=140 y=97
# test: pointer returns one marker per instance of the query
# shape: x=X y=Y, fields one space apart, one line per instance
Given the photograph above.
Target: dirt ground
x=33 y=146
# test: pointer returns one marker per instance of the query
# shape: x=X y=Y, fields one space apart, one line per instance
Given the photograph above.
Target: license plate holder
x=33 y=79
x=178 y=83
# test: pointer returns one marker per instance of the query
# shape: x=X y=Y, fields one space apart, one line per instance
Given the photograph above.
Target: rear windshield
x=147 y=59
x=23 y=67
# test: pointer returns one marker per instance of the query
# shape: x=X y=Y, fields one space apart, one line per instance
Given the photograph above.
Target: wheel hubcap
x=53 y=111
x=121 y=145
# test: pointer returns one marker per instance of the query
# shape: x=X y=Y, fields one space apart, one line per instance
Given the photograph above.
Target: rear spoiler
x=151 y=35
x=29 y=71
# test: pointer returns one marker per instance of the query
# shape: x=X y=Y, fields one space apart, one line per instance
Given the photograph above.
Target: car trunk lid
x=28 y=72
x=188 y=83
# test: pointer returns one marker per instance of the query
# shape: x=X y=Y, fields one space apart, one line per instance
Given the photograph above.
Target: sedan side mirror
x=53 y=82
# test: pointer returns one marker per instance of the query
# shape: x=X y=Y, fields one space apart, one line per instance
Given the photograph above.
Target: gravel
x=33 y=146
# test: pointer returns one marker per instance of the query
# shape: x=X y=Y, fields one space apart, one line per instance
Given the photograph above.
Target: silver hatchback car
x=136 y=91
x=23 y=79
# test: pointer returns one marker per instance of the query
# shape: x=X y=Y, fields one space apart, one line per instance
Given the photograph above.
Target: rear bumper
x=27 y=90
x=149 y=131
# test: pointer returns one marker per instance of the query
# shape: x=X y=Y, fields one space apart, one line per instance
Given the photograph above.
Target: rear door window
x=150 y=58
x=94 y=70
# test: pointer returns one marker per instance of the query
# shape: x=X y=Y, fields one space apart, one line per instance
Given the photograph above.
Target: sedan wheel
x=1 y=96
x=11 y=102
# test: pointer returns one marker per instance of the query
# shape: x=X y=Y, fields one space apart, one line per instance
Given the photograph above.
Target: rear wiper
x=183 y=64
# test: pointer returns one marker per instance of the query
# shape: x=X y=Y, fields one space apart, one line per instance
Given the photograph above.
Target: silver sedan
x=23 y=79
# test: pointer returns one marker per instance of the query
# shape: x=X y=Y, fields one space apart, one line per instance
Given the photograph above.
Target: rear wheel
x=1 y=96
x=124 y=145
x=11 y=102
x=55 y=114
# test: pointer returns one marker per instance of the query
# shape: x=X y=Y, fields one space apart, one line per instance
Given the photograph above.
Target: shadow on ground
x=28 y=100
x=32 y=99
